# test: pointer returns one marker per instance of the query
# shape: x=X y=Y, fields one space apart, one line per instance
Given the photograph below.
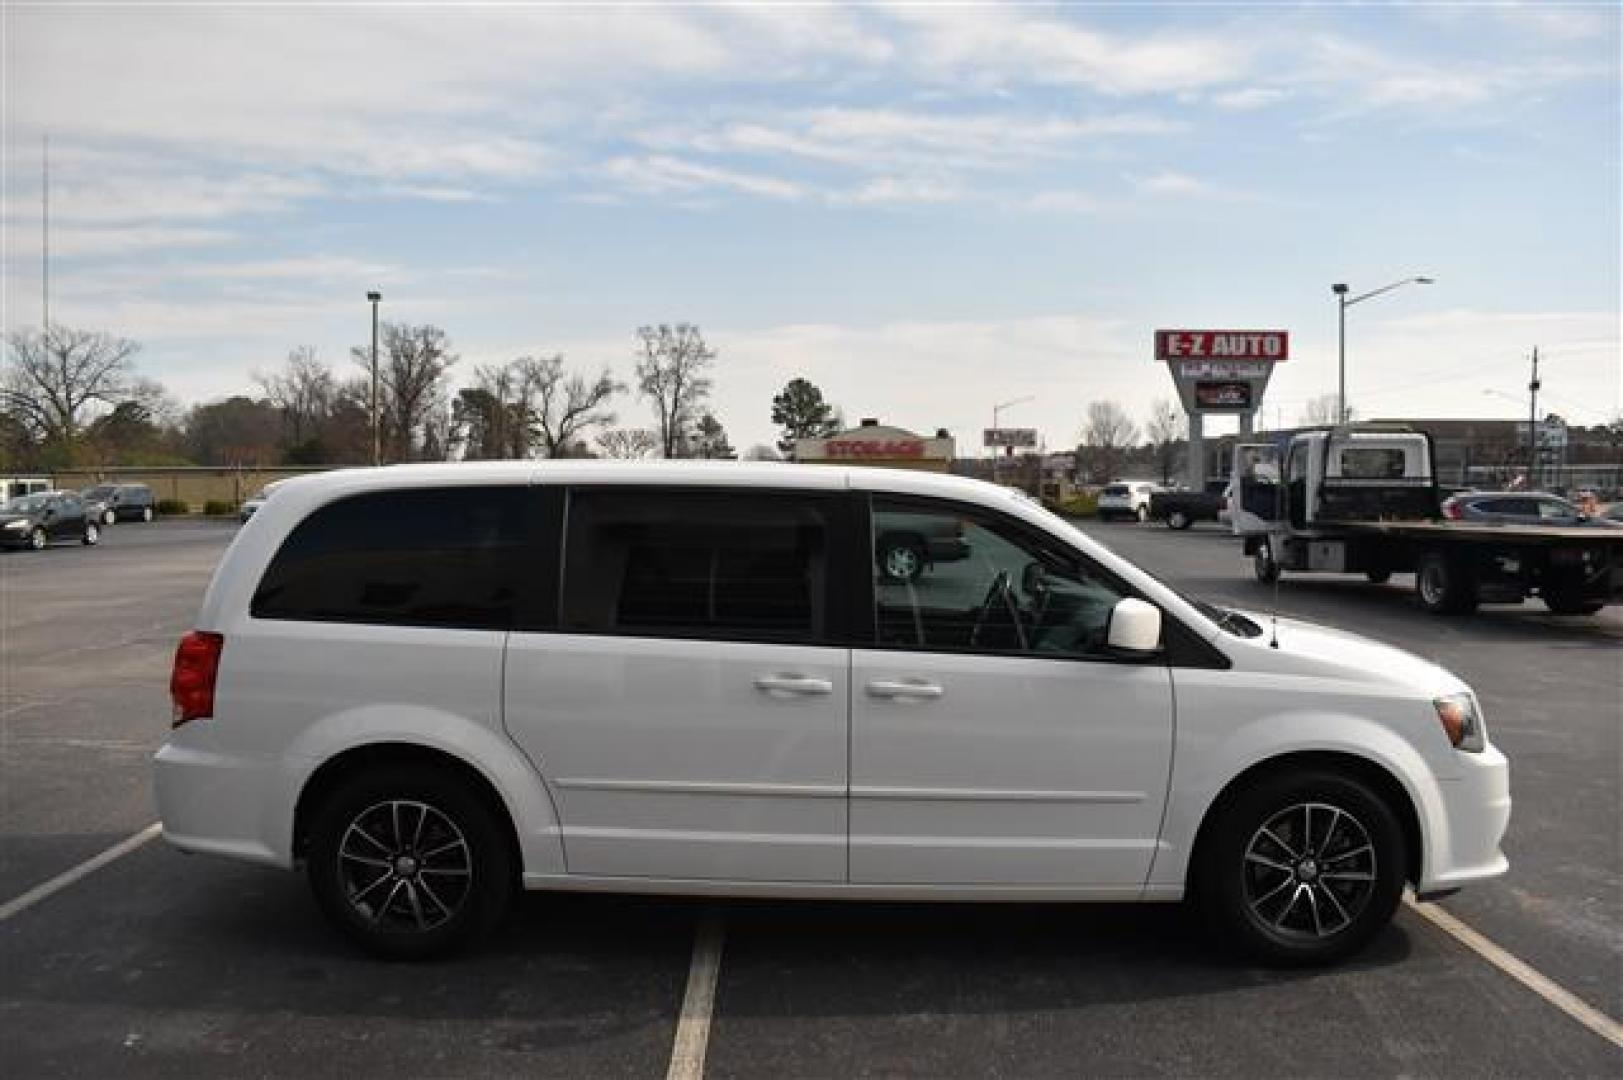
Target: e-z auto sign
x=1270 y=345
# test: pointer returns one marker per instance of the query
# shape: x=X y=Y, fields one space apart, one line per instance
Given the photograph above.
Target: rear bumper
x=220 y=804
x=1464 y=846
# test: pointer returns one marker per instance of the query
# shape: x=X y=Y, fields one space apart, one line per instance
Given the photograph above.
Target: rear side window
x=1372 y=463
x=723 y=565
x=448 y=557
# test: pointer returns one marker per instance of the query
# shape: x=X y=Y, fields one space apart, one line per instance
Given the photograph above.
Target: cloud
x=85 y=241
x=665 y=175
x=1250 y=97
x=900 y=189
x=1173 y=183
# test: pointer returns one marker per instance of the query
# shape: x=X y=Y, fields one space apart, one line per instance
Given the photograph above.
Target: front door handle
x=885 y=688
x=784 y=685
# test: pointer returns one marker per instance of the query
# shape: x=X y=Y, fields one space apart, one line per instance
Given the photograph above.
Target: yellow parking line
x=698 y=1003
x=1542 y=985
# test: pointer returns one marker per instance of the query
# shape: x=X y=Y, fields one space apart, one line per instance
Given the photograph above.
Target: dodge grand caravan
x=427 y=685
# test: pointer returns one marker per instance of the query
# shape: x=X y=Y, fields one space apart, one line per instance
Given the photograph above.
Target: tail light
x=191 y=683
x=1451 y=509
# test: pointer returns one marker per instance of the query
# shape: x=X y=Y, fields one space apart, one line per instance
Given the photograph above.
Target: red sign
x=1271 y=345
x=874 y=448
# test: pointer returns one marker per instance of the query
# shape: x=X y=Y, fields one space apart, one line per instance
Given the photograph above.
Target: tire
x=1378 y=577
x=108 y=517
x=1570 y=602
x=1297 y=903
x=1443 y=586
x=1142 y=514
x=1178 y=520
x=460 y=847
x=1265 y=566
x=92 y=535
x=38 y=540
x=146 y=513
x=901 y=560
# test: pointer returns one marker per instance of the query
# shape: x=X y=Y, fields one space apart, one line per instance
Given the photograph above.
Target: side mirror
x=1135 y=629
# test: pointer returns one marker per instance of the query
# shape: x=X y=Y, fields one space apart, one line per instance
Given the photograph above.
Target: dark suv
x=120 y=502
x=36 y=521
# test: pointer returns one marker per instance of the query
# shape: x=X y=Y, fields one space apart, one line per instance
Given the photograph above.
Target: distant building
x=873 y=443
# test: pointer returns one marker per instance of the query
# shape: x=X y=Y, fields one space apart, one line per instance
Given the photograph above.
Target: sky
x=925 y=209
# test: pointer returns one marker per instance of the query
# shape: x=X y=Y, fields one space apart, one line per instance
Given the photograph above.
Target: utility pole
x=1532 y=424
x=45 y=237
x=377 y=441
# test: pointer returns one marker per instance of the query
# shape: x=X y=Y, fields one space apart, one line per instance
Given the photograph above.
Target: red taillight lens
x=191 y=683
x=1451 y=510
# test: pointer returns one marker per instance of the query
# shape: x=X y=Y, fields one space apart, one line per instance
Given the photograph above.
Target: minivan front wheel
x=1303 y=868
x=409 y=863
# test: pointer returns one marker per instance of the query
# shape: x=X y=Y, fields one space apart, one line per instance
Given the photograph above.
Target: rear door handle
x=885 y=688
x=783 y=685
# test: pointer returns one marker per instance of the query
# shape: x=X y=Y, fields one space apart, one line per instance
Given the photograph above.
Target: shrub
x=1083 y=505
x=172 y=506
x=219 y=508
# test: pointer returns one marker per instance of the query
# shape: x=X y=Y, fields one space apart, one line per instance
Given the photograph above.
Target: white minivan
x=430 y=684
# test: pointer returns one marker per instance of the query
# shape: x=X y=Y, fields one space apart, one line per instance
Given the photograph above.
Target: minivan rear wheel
x=409 y=863
x=1303 y=868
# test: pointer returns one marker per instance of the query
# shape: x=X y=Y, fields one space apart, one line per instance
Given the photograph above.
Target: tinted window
x=1372 y=463
x=697 y=564
x=433 y=557
x=977 y=582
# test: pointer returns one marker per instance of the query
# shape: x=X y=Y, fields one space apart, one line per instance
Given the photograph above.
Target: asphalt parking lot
x=157 y=964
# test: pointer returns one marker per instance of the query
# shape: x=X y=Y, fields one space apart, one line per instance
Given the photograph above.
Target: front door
x=690 y=713
x=993 y=740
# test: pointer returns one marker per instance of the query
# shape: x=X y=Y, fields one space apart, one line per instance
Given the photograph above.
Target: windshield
x=27 y=504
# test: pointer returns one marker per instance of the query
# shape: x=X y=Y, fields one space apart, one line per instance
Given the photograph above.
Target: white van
x=427 y=684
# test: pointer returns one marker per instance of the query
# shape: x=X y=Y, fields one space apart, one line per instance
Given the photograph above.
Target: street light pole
x=1532 y=423
x=1343 y=303
x=377 y=441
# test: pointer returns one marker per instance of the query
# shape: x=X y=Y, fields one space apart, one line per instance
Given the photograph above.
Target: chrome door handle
x=793 y=684
x=884 y=688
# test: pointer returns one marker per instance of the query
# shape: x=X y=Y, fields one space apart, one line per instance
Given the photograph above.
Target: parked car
x=1127 y=499
x=108 y=503
x=1181 y=509
x=427 y=685
x=252 y=503
x=1516 y=508
x=912 y=543
x=44 y=518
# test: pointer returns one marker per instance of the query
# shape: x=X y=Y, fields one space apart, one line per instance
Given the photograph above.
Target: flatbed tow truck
x=1364 y=499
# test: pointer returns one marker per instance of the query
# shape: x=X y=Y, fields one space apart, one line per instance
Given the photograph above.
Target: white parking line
x=68 y=877
x=698 y=1002
x=1546 y=988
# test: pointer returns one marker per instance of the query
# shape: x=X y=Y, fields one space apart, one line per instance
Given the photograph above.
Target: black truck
x=1181 y=509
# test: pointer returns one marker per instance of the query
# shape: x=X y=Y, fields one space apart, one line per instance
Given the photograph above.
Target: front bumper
x=1464 y=845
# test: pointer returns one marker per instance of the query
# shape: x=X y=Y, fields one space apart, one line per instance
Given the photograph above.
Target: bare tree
x=562 y=407
x=628 y=443
x=54 y=378
x=1107 y=433
x=411 y=388
x=671 y=365
x=1165 y=430
x=1322 y=410
x=303 y=390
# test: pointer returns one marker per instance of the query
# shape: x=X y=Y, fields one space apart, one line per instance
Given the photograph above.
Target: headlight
x=16 y=524
x=1461 y=718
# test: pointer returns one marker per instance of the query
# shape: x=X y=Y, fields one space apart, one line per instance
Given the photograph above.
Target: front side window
x=723 y=565
x=1550 y=509
x=446 y=557
x=951 y=579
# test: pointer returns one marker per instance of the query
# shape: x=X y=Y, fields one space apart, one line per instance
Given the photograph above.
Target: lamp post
x=996 y=409
x=1340 y=289
x=377 y=442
